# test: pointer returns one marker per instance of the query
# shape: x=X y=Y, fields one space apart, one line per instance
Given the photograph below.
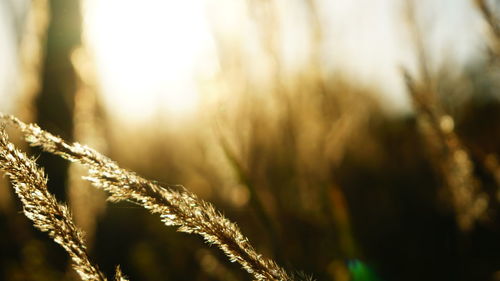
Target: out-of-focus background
x=351 y=139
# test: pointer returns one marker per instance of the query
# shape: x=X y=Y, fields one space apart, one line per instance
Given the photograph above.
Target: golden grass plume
x=41 y=207
x=176 y=208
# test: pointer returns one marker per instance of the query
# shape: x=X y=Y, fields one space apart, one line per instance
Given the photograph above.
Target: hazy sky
x=365 y=39
x=369 y=40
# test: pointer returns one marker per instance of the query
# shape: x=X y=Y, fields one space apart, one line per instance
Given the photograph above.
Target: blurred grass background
x=292 y=117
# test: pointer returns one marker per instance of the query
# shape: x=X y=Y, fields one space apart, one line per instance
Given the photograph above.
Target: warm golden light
x=147 y=54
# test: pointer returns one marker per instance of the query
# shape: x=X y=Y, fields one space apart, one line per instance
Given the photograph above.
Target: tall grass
x=31 y=54
x=314 y=172
x=176 y=208
x=447 y=153
x=41 y=207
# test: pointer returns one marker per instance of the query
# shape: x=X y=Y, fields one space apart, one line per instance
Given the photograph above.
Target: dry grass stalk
x=448 y=154
x=31 y=51
x=450 y=157
x=176 y=208
x=119 y=275
x=30 y=185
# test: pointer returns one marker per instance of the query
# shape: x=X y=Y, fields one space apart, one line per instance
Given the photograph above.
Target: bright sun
x=147 y=53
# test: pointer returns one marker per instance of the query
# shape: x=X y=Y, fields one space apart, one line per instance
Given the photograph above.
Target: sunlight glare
x=147 y=54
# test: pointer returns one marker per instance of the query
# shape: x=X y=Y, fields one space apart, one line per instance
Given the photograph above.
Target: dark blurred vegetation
x=315 y=173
